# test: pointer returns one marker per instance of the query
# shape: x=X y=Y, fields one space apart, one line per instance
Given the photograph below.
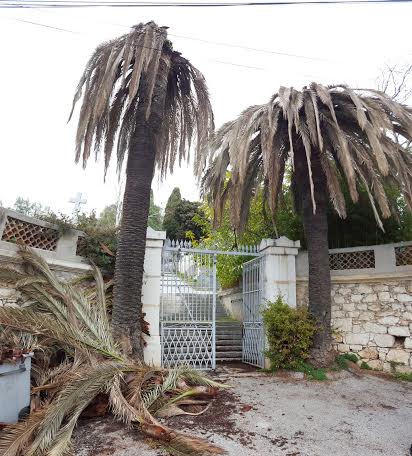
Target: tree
x=328 y=135
x=142 y=95
x=107 y=218
x=185 y=223
x=396 y=81
x=259 y=226
x=169 y=222
x=32 y=209
x=155 y=214
x=359 y=228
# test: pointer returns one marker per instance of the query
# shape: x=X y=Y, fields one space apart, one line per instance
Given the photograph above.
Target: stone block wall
x=372 y=319
x=8 y=296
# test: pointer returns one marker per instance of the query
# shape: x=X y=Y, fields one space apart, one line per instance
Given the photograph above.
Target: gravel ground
x=267 y=415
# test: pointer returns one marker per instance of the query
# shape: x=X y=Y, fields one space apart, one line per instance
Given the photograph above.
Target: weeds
x=342 y=360
x=311 y=372
x=404 y=376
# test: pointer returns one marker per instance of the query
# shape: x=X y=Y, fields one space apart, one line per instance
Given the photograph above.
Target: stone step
x=228 y=355
x=228 y=322
x=228 y=332
x=228 y=342
x=228 y=348
x=228 y=335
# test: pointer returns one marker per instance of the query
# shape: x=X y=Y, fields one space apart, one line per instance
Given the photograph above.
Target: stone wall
x=371 y=302
x=8 y=296
x=372 y=319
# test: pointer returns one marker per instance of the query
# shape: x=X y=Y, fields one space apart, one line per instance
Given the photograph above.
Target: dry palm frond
x=117 y=86
x=354 y=134
x=60 y=314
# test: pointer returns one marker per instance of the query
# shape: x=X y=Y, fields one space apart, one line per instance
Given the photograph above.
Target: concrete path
x=267 y=415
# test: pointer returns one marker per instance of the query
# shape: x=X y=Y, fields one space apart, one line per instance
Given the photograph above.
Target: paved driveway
x=266 y=415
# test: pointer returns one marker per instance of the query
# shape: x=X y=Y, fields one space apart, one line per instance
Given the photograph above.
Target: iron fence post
x=214 y=313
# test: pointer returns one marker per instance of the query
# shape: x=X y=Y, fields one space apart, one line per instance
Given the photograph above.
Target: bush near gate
x=289 y=334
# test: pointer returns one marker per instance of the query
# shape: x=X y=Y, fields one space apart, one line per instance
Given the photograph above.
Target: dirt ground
x=268 y=415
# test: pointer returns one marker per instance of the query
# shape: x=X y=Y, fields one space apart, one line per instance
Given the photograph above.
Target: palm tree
x=147 y=98
x=327 y=135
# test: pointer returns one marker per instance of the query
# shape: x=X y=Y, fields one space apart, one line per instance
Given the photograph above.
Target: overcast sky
x=41 y=67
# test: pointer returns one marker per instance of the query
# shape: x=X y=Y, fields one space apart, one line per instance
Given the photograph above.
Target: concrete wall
x=371 y=307
x=232 y=301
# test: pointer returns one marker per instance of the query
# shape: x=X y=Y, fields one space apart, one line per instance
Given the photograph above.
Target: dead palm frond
x=119 y=79
x=60 y=315
x=353 y=132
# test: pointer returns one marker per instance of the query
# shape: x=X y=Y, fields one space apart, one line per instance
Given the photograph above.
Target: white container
x=14 y=388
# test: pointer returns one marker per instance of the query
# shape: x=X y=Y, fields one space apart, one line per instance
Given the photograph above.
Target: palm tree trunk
x=316 y=233
x=128 y=279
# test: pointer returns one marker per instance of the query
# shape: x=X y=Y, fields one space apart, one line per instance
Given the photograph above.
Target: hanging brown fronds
x=117 y=87
x=354 y=133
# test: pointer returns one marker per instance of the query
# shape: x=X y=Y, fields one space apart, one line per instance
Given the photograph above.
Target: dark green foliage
x=186 y=221
x=169 y=224
x=360 y=228
x=365 y=365
x=289 y=334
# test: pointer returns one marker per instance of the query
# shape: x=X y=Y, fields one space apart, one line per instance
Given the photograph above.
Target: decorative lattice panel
x=403 y=255
x=253 y=344
x=30 y=234
x=361 y=259
x=188 y=346
x=81 y=246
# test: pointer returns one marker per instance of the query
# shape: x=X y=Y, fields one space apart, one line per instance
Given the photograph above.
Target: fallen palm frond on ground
x=80 y=361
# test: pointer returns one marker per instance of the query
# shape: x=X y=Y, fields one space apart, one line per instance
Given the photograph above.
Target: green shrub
x=365 y=365
x=289 y=333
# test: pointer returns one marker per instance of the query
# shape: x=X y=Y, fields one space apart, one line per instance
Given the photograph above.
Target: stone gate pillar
x=151 y=294
x=279 y=269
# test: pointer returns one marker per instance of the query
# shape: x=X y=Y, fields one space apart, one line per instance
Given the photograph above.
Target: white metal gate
x=188 y=305
x=253 y=331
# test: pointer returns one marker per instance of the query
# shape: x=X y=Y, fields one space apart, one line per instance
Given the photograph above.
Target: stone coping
x=351 y=277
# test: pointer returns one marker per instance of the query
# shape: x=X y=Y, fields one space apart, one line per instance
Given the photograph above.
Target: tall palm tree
x=327 y=135
x=141 y=96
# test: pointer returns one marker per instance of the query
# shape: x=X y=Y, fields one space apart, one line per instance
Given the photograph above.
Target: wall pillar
x=151 y=295
x=279 y=276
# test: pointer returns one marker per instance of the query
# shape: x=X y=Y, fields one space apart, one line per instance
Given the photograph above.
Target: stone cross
x=77 y=201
